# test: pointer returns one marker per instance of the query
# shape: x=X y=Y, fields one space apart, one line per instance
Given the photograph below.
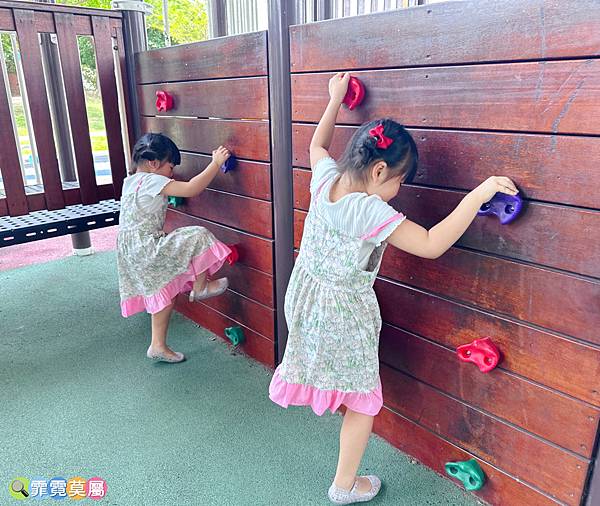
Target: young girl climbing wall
x=331 y=359
x=153 y=266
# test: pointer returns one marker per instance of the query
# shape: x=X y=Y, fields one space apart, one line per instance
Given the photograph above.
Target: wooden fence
x=29 y=21
x=485 y=88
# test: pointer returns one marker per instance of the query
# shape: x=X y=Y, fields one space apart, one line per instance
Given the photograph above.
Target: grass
x=95 y=116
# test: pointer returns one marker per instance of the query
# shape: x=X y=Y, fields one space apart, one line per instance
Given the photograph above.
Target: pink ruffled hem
x=209 y=261
x=290 y=394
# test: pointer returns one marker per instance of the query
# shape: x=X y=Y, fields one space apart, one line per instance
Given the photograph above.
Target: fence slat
x=9 y=159
x=110 y=100
x=69 y=56
x=38 y=104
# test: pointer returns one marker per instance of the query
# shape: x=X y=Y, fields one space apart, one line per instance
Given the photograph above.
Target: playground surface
x=82 y=400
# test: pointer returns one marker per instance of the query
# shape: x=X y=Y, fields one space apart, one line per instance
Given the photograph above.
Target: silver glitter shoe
x=340 y=496
x=218 y=287
x=161 y=357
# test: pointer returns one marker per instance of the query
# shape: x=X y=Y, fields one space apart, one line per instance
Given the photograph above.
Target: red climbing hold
x=481 y=352
x=164 y=101
x=355 y=94
x=234 y=256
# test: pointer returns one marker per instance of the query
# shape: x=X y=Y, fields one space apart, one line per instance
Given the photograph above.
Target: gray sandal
x=220 y=288
x=340 y=496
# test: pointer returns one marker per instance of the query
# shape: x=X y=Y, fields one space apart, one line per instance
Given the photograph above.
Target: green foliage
x=8 y=53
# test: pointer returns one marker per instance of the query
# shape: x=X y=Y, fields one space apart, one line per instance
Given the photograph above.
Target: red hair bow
x=383 y=142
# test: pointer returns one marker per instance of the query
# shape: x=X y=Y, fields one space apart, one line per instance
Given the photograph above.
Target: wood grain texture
x=558 y=169
x=105 y=65
x=251 y=179
x=39 y=109
x=550 y=299
x=255 y=252
x=251 y=215
x=554 y=97
x=10 y=165
x=246 y=98
x=546 y=298
x=561 y=237
x=555 y=471
x=256 y=345
x=434 y=451
x=549 y=359
x=569 y=423
x=452 y=32
x=76 y=106
x=245 y=311
x=235 y=56
x=246 y=139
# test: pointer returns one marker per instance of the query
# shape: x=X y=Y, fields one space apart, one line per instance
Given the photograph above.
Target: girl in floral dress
x=331 y=358
x=153 y=266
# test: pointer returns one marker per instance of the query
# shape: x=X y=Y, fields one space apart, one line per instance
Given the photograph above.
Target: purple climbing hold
x=229 y=164
x=505 y=207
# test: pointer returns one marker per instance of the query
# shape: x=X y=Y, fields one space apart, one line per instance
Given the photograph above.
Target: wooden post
x=281 y=16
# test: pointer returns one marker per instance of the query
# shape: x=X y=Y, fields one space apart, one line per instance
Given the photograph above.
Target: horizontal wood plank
x=234 y=56
x=252 y=179
x=553 y=97
x=549 y=359
x=251 y=283
x=561 y=237
x=452 y=32
x=255 y=252
x=256 y=345
x=251 y=215
x=246 y=139
x=434 y=452
x=246 y=98
x=562 y=420
x=546 y=298
x=245 y=311
x=550 y=299
x=555 y=471
x=550 y=168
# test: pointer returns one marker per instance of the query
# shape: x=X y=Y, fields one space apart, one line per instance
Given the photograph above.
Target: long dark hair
x=154 y=147
x=362 y=152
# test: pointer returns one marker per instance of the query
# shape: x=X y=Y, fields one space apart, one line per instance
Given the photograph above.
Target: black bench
x=70 y=220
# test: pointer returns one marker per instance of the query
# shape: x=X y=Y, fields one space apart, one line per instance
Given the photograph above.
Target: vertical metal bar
x=26 y=111
x=165 y=9
x=324 y=9
x=58 y=109
x=135 y=41
x=281 y=16
x=217 y=18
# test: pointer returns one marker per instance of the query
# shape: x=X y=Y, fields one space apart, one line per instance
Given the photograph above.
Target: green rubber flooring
x=79 y=398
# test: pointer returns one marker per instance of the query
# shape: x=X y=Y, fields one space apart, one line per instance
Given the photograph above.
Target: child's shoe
x=340 y=496
x=212 y=289
x=161 y=357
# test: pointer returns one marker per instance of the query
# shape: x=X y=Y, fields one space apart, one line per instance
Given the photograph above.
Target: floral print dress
x=333 y=316
x=154 y=266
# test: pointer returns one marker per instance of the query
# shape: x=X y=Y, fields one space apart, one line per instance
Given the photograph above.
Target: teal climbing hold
x=467 y=471
x=235 y=335
x=175 y=201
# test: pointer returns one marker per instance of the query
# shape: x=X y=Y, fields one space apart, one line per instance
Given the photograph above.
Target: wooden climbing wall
x=220 y=90
x=486 y=88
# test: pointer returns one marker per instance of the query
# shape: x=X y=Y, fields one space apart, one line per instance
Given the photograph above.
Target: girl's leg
x=160 y=326
x=354 y=436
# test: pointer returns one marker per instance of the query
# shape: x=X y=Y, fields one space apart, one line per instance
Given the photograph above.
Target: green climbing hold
x=468 y=471
x=175 y=201
x=235 y=335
